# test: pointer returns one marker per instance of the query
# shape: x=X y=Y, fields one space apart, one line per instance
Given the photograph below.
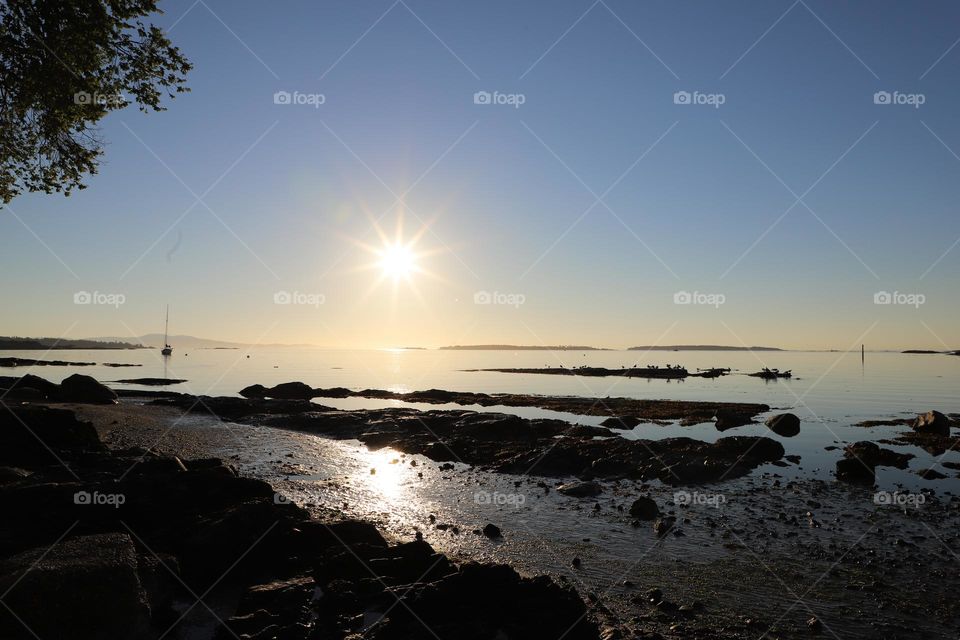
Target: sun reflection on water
x=385 y=475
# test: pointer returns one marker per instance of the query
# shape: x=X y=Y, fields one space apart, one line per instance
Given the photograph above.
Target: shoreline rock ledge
x=99 y=543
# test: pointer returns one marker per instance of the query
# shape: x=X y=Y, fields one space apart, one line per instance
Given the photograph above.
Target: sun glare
x=397 y=261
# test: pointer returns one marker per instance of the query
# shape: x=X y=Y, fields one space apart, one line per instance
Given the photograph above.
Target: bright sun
x=397 y=261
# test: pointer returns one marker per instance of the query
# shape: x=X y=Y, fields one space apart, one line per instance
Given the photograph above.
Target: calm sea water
x=829 y=391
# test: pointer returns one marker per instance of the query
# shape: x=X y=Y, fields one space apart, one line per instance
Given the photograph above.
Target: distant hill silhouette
x=13 y=342
x=701 y=347
x=155 y=340
x=520 y=347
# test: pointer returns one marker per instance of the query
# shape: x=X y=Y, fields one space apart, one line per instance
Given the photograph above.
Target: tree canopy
x=64 y=65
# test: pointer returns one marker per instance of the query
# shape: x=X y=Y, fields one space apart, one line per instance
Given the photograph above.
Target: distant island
x=181 y=342
x=519 y=347
x=14 y=343
x=149 y=341
x=949 y=353
x=701 y=347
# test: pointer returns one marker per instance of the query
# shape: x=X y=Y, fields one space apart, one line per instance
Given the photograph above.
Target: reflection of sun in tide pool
x=387 y=475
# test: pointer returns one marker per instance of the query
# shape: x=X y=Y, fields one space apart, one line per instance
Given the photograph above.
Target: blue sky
x=692 y=198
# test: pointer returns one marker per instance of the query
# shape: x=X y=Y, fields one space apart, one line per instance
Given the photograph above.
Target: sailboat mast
x=166 y=327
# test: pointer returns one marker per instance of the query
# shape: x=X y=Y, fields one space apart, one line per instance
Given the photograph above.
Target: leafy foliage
x=64 y=65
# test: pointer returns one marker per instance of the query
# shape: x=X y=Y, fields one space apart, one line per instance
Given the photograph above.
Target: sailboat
x=167 y=349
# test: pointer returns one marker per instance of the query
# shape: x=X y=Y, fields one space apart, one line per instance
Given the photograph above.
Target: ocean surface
x=830 y=391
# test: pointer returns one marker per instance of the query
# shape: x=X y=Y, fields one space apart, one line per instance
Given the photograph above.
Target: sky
x=609 y=173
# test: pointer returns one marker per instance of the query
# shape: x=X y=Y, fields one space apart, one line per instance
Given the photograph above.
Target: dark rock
x=152 y=382
x=234 y=409
x=86 y=390
x=621 y=422
x=491 y=531
x=290 y=391
x=644 y=508
x=254 y=391
x=784 y=424
x=85 y=587
x=37 y=435
x=586 y=431
x=730 y=419
x=22 y=394
x=611 y=633
x=874 y=456
x=854 y=471
x=513 y=607
x=47 y=389
x=756 y=448
x=663 y=525
x=278 y=609
x=931 y=474
x=932 y=422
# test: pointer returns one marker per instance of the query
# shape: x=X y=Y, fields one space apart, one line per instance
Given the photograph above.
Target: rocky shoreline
x=152 y=533
x=687 y=411
x=132 y=544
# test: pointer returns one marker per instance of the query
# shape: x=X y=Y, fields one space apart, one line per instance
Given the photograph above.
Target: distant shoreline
x=672 y=347
x=701 y=347
x=61 y=344
x=520 y=347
